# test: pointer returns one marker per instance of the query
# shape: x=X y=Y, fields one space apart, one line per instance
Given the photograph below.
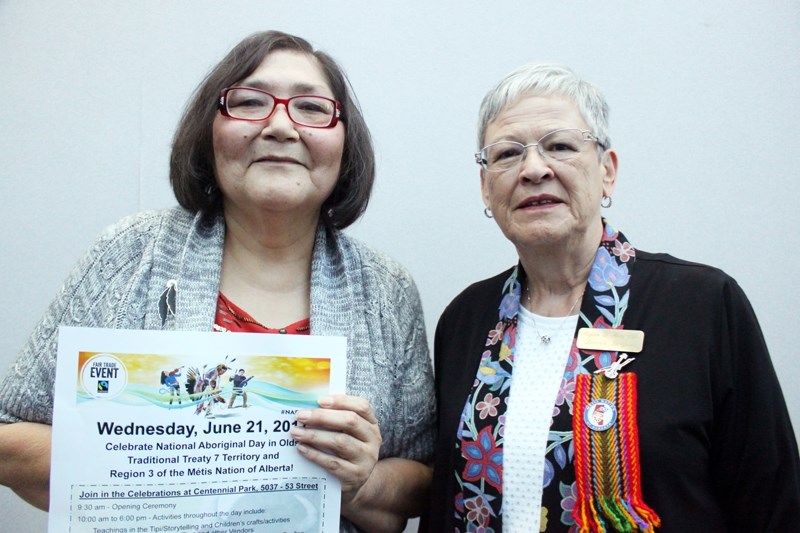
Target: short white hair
x=546 y=79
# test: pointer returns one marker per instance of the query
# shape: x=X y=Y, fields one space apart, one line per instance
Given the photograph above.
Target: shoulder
x=135 y=239
x=140 y=226
x=690 y=295
x=669 y=272
x=655 y=260
x=124 y=241
x=470 y=315
x=478 y=296
x=166 y=228
x=376 y=267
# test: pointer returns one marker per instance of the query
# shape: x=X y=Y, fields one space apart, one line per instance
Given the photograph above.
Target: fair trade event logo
x=103 y=376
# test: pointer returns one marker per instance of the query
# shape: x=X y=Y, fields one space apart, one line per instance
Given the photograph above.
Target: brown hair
x=191 y=171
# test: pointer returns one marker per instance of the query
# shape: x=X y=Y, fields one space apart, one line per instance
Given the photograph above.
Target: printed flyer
x=176 y=431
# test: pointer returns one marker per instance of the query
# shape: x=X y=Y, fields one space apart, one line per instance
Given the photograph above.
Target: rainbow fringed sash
x=607 y=470
x=607 y=493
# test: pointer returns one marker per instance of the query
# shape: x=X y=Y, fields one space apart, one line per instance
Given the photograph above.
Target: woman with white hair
x=595 y=386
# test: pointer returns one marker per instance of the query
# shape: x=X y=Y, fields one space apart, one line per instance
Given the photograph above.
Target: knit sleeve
x=415 y=399
x=396 y=356
x=91 y=296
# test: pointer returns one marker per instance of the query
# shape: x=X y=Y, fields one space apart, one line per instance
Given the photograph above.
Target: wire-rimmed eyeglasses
x=247 y=103
x=558 y=145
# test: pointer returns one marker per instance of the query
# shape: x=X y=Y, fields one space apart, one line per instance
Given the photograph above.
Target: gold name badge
x=611 y=340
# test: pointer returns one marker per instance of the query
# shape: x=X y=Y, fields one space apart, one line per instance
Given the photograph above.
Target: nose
x=278 y=125
x=534 y=167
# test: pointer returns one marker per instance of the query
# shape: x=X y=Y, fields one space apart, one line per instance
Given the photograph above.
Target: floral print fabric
x=479 y=441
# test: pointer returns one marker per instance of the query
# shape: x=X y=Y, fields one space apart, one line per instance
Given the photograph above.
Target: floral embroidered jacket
x=718 y=452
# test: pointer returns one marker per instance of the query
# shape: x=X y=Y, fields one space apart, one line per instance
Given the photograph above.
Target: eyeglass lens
x=558 y=145
x=251 y=104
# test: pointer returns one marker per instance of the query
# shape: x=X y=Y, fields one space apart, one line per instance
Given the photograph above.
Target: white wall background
x=704 y=118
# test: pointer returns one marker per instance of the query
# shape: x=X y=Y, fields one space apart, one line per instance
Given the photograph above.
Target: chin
x=538 y=235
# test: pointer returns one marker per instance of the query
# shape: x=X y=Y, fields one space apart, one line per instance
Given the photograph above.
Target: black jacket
x=718 y=452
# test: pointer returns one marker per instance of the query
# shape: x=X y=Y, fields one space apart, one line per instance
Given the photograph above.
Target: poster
x=178 y=431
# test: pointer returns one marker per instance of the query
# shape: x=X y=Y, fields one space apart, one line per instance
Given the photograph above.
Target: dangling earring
x=606 y=202
x=211 y=189
x=487 y=213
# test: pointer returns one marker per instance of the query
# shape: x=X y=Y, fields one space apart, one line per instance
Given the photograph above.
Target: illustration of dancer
x=239 y=383
x=170 y=380
x=207 y=388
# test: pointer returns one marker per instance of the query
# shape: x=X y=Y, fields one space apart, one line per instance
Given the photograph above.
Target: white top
x=538 y=371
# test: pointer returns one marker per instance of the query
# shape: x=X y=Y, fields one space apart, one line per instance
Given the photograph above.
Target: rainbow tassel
x=607 y=468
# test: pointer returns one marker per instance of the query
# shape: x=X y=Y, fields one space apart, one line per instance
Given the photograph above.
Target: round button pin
x=600 y=415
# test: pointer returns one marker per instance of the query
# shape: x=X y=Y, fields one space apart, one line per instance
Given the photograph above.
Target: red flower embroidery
x=484 y=459
x=488 y=406
x=623 y=250
x=495 y=335
x=477 y=510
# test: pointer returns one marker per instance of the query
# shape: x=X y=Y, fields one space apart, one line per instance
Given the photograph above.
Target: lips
x=278 y=159
x=539 y=201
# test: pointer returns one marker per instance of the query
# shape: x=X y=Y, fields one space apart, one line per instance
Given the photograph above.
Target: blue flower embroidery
x=607 y=273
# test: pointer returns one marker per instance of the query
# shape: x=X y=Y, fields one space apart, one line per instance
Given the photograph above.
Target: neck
x=271 y=230
x=557 y=274
x=266 y=267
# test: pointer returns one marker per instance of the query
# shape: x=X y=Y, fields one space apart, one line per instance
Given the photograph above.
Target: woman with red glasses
x=271 y=160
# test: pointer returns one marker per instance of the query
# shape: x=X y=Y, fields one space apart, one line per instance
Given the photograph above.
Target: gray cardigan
x=355 y=292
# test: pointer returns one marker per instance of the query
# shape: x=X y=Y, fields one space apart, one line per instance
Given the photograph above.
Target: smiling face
x=547 y=202
x=274 y=165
